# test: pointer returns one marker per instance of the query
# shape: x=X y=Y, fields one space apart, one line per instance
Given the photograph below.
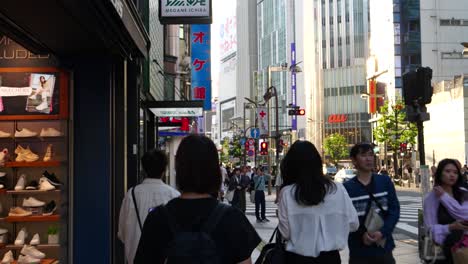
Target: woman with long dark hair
x=441 y=215
x=315 y=214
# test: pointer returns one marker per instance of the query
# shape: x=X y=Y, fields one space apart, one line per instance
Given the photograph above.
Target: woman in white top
x=315 y=214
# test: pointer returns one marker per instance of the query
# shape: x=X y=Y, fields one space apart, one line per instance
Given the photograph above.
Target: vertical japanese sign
x=293 y=84
x=372 y=96
x=201 y=64
x=262 y=117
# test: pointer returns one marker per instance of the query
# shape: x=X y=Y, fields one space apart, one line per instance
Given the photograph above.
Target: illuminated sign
x=177 y=112
x=185 y=11
x=337 y=118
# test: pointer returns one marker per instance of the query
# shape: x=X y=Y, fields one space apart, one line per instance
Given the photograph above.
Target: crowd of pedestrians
x=317 y=217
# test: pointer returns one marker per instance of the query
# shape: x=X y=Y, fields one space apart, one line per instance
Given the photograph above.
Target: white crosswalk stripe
x=270 y=209
x=409 y=207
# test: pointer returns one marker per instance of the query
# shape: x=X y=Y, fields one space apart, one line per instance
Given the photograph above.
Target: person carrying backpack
x=196 y=228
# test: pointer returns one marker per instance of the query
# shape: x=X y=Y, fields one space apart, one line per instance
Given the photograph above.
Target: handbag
x=252 y=193
x=136 y=209
x=431 y=251
x=460 y=251
x=273 y=253
x=229 y=195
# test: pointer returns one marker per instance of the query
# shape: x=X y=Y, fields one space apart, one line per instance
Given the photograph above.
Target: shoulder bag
x=136 y=209
x=273 y=252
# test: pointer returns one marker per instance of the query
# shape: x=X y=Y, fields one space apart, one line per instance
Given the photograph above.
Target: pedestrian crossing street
x=270 y=209
x=408 y=221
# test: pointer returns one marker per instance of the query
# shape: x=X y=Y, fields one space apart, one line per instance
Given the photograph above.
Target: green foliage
x=336 y=147
x=235 y=150
x=392 y=127
x=224 y=155
x=52 y=230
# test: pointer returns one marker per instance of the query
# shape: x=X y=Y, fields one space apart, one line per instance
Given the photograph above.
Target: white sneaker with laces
x=21 y=237
x=44 y=184
x=42 y=106
x=25 y=133
x=21 y=182
x=8 y=258
x=36 y=240
x=32 y=252
x=32 y=202
x=28 y=260
x=50 y=132
x=4 y=134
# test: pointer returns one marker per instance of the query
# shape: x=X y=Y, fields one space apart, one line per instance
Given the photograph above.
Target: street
x=405 y=233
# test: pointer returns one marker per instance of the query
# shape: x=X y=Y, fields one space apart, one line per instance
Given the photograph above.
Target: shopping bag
x=229 y=195
x=431 y=251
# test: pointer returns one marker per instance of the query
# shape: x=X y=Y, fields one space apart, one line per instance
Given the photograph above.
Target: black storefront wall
x=99 y=43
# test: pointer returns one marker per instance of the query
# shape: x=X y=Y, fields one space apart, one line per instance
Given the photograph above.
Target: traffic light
x=296 y=112
x=264 y=148
x=403 y=147
x=417 y=86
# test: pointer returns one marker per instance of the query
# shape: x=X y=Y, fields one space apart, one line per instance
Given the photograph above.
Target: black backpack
x=194 y=247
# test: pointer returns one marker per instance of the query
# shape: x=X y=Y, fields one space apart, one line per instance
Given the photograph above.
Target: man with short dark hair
x=151 y=193
x=239 y=183
x=370 y=191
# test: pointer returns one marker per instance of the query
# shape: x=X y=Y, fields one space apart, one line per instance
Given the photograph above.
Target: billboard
x=201 y=64
x=185 y=11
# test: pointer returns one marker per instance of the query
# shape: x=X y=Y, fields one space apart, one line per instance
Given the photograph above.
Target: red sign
x=337 y=118
x=372 y=96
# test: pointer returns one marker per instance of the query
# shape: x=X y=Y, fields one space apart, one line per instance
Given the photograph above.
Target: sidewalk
x=406 y=251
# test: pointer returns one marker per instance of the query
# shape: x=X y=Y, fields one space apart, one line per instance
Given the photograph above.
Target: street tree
x=224 y=154
x=392 y=130
x=235 y=149
x=336 y=147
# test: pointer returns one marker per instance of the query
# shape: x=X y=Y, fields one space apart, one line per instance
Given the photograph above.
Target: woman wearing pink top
x=446 y=208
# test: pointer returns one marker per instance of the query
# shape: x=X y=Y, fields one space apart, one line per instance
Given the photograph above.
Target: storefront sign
x=185 y=11
x=293 y=84
x=337 y=118
x=201 y=64
x=177 y=112
x=372 y=96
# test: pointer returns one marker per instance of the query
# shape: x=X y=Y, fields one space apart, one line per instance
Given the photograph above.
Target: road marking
x=408 y=228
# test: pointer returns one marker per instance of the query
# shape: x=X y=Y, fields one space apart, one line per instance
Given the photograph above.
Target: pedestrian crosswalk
x=270 y=209
x=409 y=206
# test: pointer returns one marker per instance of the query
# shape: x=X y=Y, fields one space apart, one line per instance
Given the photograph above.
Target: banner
x=293 y=84
x=262 y=117
x=201 y=64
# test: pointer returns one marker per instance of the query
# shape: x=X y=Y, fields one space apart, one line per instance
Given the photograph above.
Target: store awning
x=72 y=28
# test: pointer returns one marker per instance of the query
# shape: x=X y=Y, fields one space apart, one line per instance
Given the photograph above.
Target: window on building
x=331 y=20
x=181 y=32
x=397 y=49
x=340 y=62
x=396 y=17
x=398 y=82
x=416 y=59
x=413 y=26
x=324 y=21
x=324 y=65
x=347 y=17
x=347 y=40
x=340 y=42
x=339 y=19
x=332 y=42
x=348 y=62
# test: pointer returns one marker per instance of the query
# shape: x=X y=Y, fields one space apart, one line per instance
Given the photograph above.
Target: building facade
x=342 y=44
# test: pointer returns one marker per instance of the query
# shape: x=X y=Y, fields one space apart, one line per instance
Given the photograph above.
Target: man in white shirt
x=149 y=194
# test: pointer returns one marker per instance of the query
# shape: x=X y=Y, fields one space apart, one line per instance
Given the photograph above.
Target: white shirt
x=151 y=193
x=310 y=230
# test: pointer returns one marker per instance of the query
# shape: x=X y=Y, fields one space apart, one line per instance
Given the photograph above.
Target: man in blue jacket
x=370 y=191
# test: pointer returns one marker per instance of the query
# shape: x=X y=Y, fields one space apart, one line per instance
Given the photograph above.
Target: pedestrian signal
x=264 y=148
x=296 y=112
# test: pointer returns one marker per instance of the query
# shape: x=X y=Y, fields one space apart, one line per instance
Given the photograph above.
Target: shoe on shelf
x=21 y=182
x=25 y=133
x=32 y=185
x=48 y=154
x=18 y=211
x=32 y=252
x=8 y=258
x=45 y=185
x=32 y=202
x=50 y=208
x=2 y=180
x=3 y=235
x=50 y=132
x=25 y=154
x=52 y=178
x=21 y=237
x=36 y=240
x=3 y=231
x=28 y=260
x=4 y=134
x=3 y=155
x=33 y=97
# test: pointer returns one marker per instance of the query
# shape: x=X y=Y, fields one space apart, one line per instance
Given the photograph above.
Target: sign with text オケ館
x=201 y=64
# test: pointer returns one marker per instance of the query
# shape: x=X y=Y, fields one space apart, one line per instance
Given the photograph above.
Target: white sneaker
x=50 y=132
x=21 y=237
x=32 y=202
x=21 y=182
x=8 y=258
x=28 y=260
x=25 y=133
x=36 y=240
x=25 y=154
x=43 y=106
x=4 y=134
x=44 y=185
x=32 y=252
x=33 y=97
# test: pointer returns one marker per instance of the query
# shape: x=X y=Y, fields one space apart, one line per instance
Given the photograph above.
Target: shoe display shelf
x=33 y=169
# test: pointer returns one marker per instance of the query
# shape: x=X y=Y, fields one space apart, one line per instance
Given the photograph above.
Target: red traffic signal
x=264 y=148
x=403 y=147
x=296 y=112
